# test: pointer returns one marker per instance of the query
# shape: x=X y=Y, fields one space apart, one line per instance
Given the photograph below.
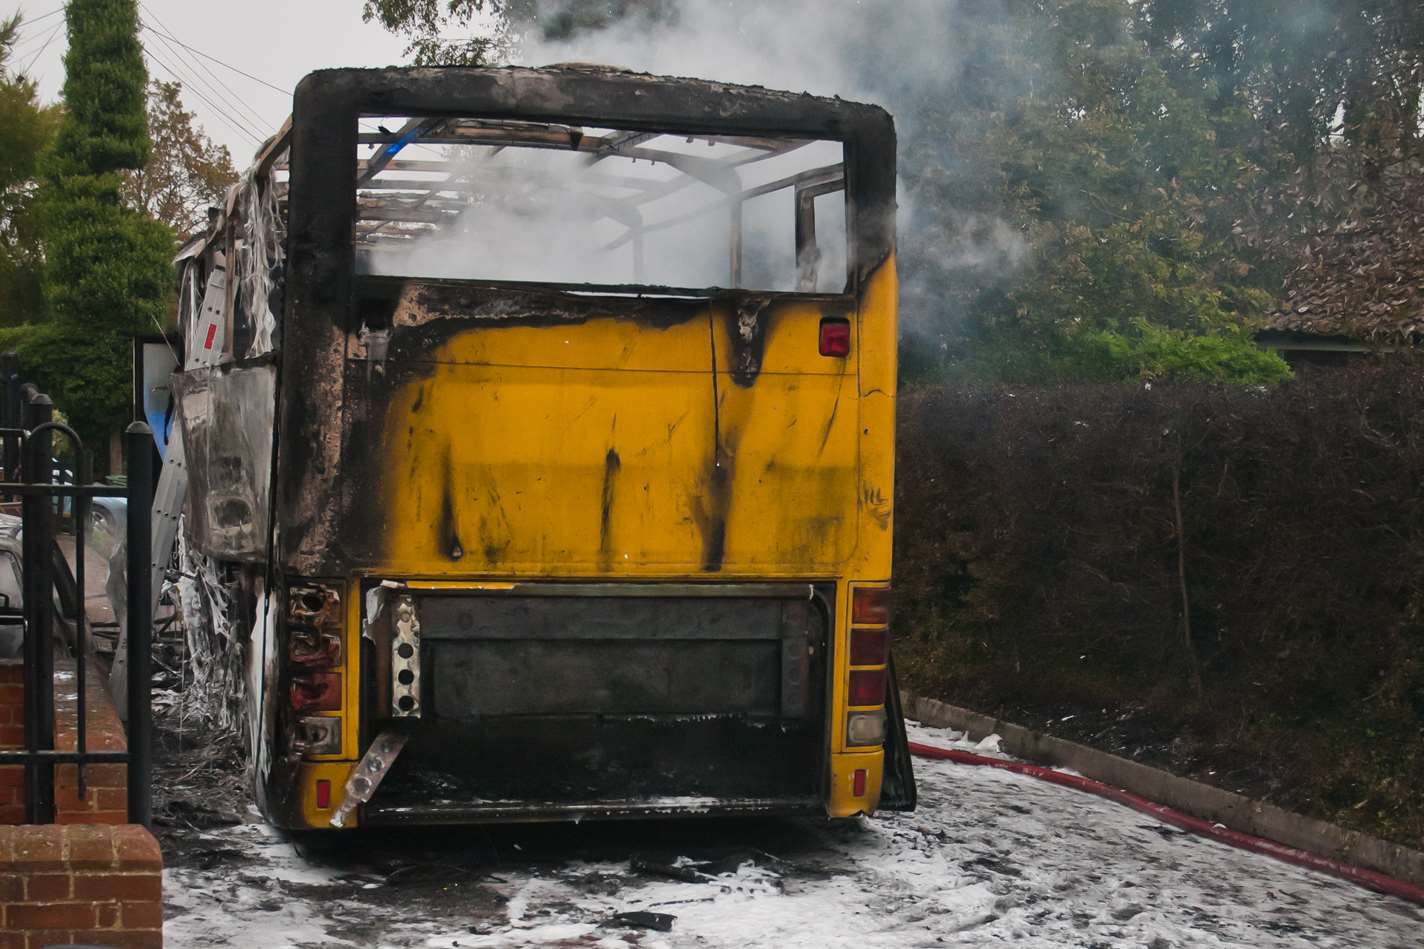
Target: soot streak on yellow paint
x=450 y=545
x=611 y=464
x=830 y=420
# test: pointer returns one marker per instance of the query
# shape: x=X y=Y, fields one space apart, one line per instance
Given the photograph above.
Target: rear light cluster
x=869 y=657
x=314 y=658
x=835 y=337
x=319 y=735
x=316 y=692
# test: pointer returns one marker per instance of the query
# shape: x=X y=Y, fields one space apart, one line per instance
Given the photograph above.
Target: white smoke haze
x=801 y=45
x=979 y=241
x=562 y=216
x=524 y=214
x=895 y=53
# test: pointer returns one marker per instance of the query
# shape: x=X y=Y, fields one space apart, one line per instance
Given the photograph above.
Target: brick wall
x=88 y=883
x=12 y=735
x=106 y=797
x=87 y=878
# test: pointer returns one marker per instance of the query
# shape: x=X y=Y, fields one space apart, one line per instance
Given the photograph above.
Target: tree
x=1333 y=89
x=185 y=173
x=1116 y=171
x=1310 y=70
x=426 y=25
x=486 y=30
x=26 y=128
x=107 y=273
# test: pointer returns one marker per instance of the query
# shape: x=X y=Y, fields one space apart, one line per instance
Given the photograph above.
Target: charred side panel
x=227 y=415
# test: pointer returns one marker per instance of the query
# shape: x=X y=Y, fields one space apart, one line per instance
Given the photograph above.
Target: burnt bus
x=544 y=420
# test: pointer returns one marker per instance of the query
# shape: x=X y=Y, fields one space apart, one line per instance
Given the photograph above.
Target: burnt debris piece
x=671 y=869
x=659 y=922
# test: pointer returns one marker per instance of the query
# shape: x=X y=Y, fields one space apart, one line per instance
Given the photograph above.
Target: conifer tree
x=107 y=265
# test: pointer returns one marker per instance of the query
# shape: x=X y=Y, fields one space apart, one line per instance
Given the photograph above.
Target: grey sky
x=278 y=41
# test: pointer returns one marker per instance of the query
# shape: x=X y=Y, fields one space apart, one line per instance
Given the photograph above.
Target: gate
x=32 y=476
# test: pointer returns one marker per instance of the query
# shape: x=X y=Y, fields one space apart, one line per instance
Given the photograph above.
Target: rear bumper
x=556 y=702
x=598 y=698
x=530 y=812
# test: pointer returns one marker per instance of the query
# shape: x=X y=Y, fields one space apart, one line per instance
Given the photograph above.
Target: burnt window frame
x=329 y=104
x=405 y=206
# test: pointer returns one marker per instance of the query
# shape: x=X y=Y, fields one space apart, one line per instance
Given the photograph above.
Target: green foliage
x=1303 y=65
x=26 y=128
x=1113 y=190
x=105 y=127
x=1116 y=174
x=426 y=24
x=1140 y=352
x=83 y=372
x=489 y=27
x=185 y=173
x=107 y=265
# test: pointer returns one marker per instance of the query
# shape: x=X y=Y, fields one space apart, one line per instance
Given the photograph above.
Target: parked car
x=12 y=603
x=12 y=621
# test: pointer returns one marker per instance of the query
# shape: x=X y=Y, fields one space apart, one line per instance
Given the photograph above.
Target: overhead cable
x=165 y=35
x=36 y=58
x=226 y=95
x=227 y=120
x=275 y=88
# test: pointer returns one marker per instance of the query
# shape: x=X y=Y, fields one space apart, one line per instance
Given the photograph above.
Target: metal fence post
x=10 y=393
x=139 y=439
x=39 y=604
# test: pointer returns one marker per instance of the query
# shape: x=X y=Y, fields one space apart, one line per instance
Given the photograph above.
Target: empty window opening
x=531 y=202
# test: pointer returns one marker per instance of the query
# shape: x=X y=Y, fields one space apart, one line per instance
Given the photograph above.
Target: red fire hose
x=1167 y=815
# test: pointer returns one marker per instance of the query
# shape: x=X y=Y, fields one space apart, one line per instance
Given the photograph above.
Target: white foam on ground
x=989 y=857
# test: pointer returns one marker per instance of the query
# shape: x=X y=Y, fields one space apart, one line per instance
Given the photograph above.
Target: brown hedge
x=1037 y=551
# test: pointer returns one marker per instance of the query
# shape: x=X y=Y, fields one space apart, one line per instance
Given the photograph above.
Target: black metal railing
x=30 y=469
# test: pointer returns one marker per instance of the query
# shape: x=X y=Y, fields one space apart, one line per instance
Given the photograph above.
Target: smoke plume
x=925 y=61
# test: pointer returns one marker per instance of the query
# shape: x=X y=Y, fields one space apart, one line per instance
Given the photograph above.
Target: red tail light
x=867 y=687
x=323 y=793
x=316 y=692
x=835 y=337
x=870 y=606
x=314 y=650
x=857 y=783
x=869 y=647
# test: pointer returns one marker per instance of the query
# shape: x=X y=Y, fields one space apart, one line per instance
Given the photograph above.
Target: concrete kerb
x=1231 y=810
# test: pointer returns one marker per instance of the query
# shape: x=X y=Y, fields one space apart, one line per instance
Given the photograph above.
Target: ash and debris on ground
x=200 y=776
x=989 y=857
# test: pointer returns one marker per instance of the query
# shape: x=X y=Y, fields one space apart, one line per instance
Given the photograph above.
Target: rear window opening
x=532 y=202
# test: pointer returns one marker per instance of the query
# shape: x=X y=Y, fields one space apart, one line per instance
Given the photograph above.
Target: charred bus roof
x=548 y=108
x=552 y=108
